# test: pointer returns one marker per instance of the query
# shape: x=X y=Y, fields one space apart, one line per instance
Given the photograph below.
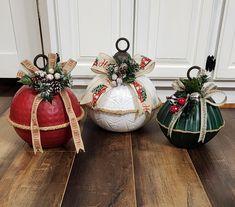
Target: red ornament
x=48 y=115
x=174 y=109
x=181 y=101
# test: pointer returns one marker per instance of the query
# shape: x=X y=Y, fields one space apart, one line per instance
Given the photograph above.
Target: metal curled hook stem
x=127 y=42
x=36 y=59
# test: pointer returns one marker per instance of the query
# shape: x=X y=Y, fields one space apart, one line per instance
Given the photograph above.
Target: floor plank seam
x=133 y=167
x=198 y=177
x=82 y=123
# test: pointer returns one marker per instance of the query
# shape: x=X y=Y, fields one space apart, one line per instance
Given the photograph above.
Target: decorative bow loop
x=103 y=84
x=101 y=63
x=146 y=65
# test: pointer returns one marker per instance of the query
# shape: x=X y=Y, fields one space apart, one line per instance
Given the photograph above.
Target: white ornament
x=122 y=99
x=114 y=77
x=57 y=76
x=50 y=77
x=51 y=71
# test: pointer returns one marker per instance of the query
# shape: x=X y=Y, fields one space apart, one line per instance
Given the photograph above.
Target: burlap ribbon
x=76 y=132
x=34 y=126
x=97 y=89
x=35 y=129
x=207 y=92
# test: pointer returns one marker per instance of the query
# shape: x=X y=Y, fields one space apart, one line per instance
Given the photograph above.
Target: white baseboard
x=163 y=87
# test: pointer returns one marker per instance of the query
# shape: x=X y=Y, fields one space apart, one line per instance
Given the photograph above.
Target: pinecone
x=56 y=86
x=123 y=69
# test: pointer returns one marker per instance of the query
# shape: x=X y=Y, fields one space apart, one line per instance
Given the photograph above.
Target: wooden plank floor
x=7 y=91
x=27 y=179
x=164 y=175
x=106 y=174
x=118 y=169
x=215 y=164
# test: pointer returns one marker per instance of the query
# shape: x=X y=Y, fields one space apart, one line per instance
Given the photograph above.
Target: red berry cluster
x=180 y=102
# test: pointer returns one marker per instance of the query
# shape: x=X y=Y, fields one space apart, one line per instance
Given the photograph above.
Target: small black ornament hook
x=45 y=60
x=127 y=42
x=190 y=69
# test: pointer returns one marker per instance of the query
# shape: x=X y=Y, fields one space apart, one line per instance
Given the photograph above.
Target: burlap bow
x=208 y=90
x=97 y=89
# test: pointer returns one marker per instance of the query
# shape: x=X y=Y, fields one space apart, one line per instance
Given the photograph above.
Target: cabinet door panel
x=174 y=33
x=86 y=27
x=19 y=36
x=225 y=67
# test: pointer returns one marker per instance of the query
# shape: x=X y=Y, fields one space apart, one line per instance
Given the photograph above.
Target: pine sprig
x=193 y=85
x=124 y=72
x=26 y=80
x=48 y=82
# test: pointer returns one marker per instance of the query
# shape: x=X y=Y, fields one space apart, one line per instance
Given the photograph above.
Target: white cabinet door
x=19 y=36
x=225 y=66
x=174 y=33
x=83 y=28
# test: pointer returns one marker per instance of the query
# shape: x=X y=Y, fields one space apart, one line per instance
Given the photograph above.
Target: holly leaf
x=26 y=80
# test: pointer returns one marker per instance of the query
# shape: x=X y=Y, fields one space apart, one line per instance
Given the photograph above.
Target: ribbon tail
x=149 y=99
x=174 y=119
x=95 y=90
x=139 y=106
x=143 y=106
x=34 y=126
x=203 y=126
x=75 y=128
x=86 y=98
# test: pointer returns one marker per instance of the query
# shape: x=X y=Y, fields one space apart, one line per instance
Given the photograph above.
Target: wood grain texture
x=215 y=164
x=103 y=175
x=35 y=180
x=164 y=174
x=7 y=91
x=228 y=106
x=118 y=169
x=27 y=179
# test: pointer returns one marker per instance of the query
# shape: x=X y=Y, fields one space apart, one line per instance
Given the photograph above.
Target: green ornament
x=187 y=128
x=196 y=121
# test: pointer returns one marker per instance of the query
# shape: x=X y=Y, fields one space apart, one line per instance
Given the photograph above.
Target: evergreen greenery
x=125 y=70
x=48 y=84
x=191 y=86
